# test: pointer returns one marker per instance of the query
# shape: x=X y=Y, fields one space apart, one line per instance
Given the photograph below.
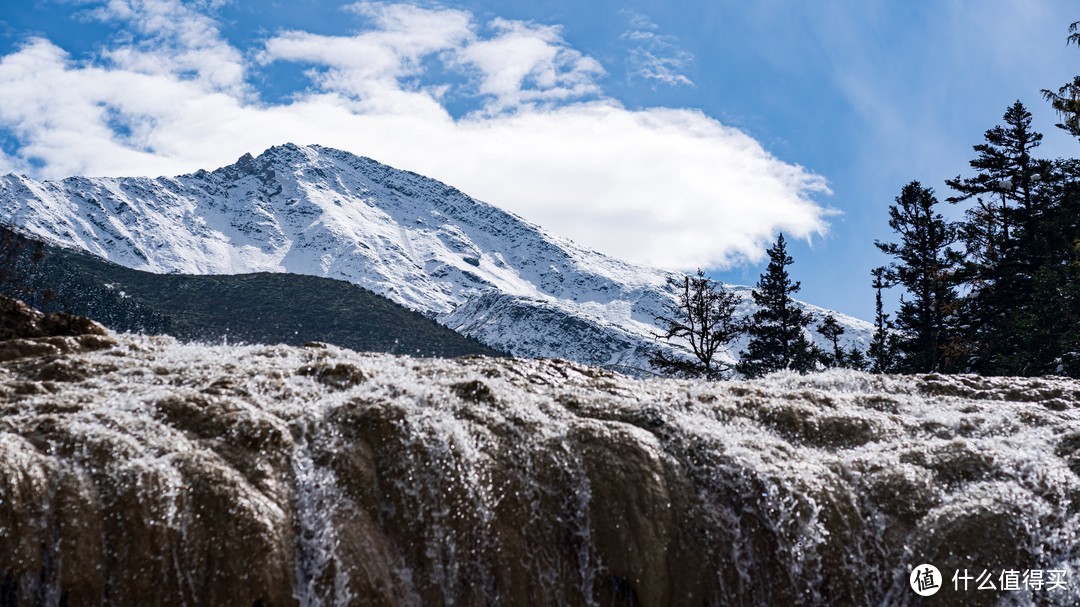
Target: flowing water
x=139 y=471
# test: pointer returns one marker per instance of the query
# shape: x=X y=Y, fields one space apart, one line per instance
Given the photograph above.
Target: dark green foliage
x=1009 y=302
x=856 y=359
x=703 y=317
x=245 y=308
x=777 y=339
x=1007 y=197
x=835 y=355
x=884 y=344
x=1005 y=171
x=924 y=267
x=19 y=258
x=831 y=331
x=1066 y=100
x=1019 y=251
x=1046 y=319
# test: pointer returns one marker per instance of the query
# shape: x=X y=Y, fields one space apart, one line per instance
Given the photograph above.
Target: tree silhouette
x=776 y=328
x=831 y=331
x=702 y=317
x=924 y=266
x=883 y=345
x=1066 y=100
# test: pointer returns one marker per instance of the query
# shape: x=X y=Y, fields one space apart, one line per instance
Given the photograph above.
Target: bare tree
x=703 y=317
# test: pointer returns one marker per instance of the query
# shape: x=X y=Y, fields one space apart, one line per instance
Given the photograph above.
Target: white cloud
x=174 y=39
x=371 y=67
x=664 y=186
x=653 y=56
x=522 y=64
x=527 y=63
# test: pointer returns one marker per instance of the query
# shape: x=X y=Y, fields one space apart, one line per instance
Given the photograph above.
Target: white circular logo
x=926 y=580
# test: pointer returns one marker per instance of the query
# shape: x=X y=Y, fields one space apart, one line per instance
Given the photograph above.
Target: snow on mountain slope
x=314 y=210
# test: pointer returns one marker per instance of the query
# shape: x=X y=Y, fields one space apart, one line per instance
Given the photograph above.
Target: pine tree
x=777 y=339
x=703 y=317
x=831 y=331
x=1047 y=320
x=1050 y=326
x=1003 y=182
x=883 y=345
x=924 y=267
x=1008 y=196
x=1066 y=101
x=855 y=359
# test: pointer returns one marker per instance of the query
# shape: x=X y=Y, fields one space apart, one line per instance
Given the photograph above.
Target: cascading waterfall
x=136 y=470
x=321 y=580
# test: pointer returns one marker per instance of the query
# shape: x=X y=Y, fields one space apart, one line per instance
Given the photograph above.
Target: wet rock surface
x=28 y=333
x=139 y=471
x=20 y=321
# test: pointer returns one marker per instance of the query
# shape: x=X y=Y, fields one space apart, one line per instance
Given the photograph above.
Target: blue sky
x=677 y=134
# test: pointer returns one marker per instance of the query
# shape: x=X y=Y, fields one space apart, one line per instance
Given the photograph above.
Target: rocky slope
x=136 y=470
x=324 y=212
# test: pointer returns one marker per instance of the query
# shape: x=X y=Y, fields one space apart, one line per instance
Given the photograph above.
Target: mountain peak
x=293 y=153
x=246 y=163
x=308 y=209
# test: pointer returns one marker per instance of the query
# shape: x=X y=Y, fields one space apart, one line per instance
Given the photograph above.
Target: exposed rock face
x=152 y=473
x=25 y=331
x=18 y=321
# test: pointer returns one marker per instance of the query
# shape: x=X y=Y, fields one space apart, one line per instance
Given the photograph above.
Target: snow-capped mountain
x=313 y=210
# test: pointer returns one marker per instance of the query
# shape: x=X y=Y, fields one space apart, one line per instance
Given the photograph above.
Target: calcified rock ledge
x=138 y=471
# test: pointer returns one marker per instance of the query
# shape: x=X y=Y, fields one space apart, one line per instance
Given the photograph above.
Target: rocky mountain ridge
x=312 y=210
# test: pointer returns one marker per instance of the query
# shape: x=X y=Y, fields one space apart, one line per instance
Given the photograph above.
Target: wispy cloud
x=653 y=56
x=669 y=187
x=171 y=38
x=526 y=63
x=518 y=65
